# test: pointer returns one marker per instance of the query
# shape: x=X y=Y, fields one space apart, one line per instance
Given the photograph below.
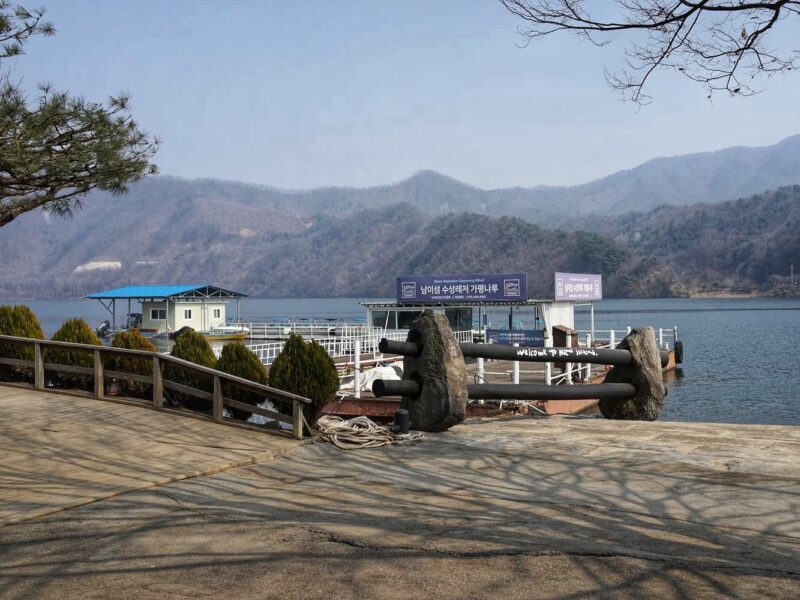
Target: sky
x=359 y=93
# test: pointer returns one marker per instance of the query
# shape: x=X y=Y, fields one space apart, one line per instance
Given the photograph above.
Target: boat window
x=460 y=319
x=158 y=314
x=405 y=318
x=379 y=319
x=217 y=313
x=187 y=314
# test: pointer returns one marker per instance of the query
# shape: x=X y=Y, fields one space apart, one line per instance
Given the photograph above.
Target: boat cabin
x=168 y=308
x=543 y=315
x=490 y=297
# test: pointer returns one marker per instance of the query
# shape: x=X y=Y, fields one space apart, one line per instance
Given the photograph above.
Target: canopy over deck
x=170 y=297
x=144 y=293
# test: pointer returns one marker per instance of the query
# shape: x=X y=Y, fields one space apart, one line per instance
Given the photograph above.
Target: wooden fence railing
x=159 y=383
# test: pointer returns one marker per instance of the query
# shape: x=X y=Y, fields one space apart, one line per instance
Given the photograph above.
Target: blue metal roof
x=156 y=291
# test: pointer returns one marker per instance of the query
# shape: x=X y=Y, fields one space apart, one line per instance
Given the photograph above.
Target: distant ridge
x=354 y=241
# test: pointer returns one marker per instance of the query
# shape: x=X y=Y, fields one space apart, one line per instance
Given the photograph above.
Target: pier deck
x=59 y=451
x=518 y=508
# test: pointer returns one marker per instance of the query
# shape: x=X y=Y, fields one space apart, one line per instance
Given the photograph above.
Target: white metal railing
x=345 y=345
x=609 y=338
x=313 y=329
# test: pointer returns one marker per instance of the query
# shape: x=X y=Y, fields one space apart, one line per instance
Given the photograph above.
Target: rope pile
x=360 y=432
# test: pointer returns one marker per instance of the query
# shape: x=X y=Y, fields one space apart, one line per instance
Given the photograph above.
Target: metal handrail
x=156 y=379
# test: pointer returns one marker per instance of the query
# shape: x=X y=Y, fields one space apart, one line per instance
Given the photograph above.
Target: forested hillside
x=334 y=256
x=748 y=243
x=345 y=242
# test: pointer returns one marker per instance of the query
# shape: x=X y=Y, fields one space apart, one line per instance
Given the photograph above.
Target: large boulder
x=644 y=374
x=441 y=372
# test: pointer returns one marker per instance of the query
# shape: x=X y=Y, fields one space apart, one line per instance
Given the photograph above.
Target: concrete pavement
x=517 y=508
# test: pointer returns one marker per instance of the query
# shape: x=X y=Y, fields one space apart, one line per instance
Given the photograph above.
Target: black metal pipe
x=596 y=356
x=599 y=356
x=521 y=391
x=406 y=387
x=401 y=348
x=536 y=391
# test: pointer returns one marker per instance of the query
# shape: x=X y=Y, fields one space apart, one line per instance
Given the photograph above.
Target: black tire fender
x=678 y=352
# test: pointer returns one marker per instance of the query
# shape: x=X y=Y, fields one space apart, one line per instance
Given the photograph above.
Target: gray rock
x=645 y=374
x=441 y=371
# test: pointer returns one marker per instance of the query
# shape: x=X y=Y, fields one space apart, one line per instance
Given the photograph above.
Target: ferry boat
x=531 y=322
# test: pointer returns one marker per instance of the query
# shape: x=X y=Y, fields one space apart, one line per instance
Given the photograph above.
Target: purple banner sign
x=579 y=286
x=504 y=287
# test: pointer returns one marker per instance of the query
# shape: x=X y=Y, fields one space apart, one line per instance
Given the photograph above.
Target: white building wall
x=197 y=315
x=150 y=324
x=563 y=313
x=202 y=315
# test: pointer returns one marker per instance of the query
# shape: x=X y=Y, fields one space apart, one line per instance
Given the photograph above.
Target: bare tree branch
x=721 y=44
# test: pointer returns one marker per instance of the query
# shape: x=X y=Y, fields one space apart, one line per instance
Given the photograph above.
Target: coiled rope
x=360 y=432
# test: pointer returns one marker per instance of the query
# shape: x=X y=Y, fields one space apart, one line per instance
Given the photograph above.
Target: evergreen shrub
x=132 y=340
x=306 y=370
x=192 y=346
x=238 y=360
x=18 y=321
x=76 y=331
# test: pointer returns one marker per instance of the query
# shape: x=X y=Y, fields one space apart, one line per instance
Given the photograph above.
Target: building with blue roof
x=168 y=308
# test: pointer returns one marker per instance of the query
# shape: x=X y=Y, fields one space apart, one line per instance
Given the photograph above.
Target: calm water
x=741 y=356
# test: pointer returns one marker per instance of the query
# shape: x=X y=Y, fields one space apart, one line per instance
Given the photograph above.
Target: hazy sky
x=316 y=93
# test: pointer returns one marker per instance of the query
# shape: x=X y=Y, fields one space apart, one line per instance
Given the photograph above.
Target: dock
x=522 y=507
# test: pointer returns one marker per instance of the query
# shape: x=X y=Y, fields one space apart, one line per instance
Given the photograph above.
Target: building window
x=217 y=313
x=158 y=314
x=187 y=314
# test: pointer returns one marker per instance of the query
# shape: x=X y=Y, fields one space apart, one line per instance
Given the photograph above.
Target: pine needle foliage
x=132 y=340
x=192 y=346
x=238 y=360
x=56 y=147
x=76 y=331
x=18 y=321
x=307 y=370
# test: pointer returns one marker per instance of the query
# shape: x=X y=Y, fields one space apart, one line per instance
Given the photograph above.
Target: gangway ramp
x=58 y=451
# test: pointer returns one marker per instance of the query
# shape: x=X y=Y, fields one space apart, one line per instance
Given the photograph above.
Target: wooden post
x=297 y=420
x=217 y=398
x=158 y=384
x=99 y=378
x=38 y=367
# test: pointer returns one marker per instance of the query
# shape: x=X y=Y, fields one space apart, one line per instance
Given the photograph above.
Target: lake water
x=741 y=360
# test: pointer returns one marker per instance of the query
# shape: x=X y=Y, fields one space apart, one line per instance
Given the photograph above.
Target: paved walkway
x=561 y=508
x=59 y=451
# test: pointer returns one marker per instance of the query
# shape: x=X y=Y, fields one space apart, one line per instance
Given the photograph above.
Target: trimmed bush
x=192 y=346
x=18 y=321
x=132 y=340
x=76 y=331
x=237 y=360
x=306 y=370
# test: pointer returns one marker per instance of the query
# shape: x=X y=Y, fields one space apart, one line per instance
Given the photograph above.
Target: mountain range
x=667 y=227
